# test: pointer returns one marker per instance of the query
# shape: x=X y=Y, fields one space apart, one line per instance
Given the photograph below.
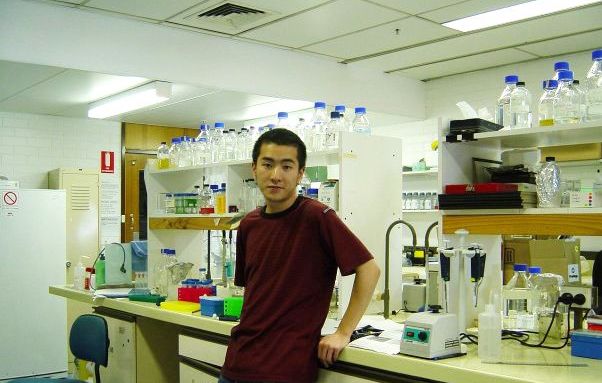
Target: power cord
x=122 y=268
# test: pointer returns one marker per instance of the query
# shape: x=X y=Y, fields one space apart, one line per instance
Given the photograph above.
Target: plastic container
x=549 y=192
x=282 y=120
x=316 y=135
x=490 y=335
x=345 y=123
x=333 y=129
x=79 y=276
x=502 y=113
x=593 y=87
x=520 y=107
x=547 y=102
x=100 y=271
x=582 y=100
x=220 y=201
x=174 y=152
x=217 y=143
x=567 y=109
x=233 y=306
x=360 y=122
x=560 y=66
x=211 y=306
x=517 y=297
x=163 y=156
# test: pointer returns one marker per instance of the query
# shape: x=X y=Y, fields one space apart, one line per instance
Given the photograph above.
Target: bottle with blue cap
x=185 y=158
x=559 y=66
x=282 y=120
x=174 y=152
x=218 y=148
x=163 y=156
x=360 y=122
x=344 y=119
x=517 y=296
x=547 y=103
x=333 y=129
x=502 y=113
x=201 y=146
x=593 y=87
x=568 y=105
x=317 y=133
x=520 y=106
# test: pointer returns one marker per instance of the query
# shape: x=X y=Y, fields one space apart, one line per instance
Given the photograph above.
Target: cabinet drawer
x=189 y=374
x=202 y=350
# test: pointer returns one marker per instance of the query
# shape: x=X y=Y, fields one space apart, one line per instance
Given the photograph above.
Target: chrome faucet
x=386 y=294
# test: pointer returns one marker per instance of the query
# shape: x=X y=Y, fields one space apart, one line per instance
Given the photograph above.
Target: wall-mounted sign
x=107 y=162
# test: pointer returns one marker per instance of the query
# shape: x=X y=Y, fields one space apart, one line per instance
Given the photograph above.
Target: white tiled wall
x=31 y=145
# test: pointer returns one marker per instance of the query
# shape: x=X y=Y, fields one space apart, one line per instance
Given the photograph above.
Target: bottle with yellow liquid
x=163 y=156
x=547 y=103
x=220 y=200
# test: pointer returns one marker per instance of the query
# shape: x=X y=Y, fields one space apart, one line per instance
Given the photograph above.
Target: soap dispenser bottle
x=490 y=335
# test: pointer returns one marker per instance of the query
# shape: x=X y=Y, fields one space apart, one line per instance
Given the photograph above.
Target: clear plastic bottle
x=517 y=296
x=360 y=121
x=206 y=196
x=174 y=152
x=220 y=200
x=548 y=181
x=316 y=134
x=502 y=113
x=201 y=149
x=520 y=107
x=415 y=201
x=282 y=120
x=163 y=156
x=404 y=201
x=301 y=130
x=332 y=131
x=421 y=198
x=230 y=145
x=79 y=275
x=593 y=87
x=567 y=109
x=218 y=148
x=305 y=184
x=428 y=205
x=242 y=144
x=185 y=158
x=582 y=100
x=434 y=200
x=490 y=335
x=547 y=102
x=345 y=122
x=559 y=66
x=534 y=271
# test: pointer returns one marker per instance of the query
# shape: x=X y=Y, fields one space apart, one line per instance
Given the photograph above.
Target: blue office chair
x=88 y=340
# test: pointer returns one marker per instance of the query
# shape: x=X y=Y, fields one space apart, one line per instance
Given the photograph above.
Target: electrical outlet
x=589 y=292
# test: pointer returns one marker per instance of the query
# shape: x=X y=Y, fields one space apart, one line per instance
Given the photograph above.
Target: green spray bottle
x=100 y=271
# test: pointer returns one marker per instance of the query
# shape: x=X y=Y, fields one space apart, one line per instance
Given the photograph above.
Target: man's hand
x=330 y=347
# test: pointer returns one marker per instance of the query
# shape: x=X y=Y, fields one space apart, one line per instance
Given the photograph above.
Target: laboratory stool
x=88 y=340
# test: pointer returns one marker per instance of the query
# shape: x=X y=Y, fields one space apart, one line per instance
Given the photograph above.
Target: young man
x=287 y=255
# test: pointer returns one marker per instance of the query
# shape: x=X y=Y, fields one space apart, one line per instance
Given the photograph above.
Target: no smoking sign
x=10 y=198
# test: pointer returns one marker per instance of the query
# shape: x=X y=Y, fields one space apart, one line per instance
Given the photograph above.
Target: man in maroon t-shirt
x=287 y=255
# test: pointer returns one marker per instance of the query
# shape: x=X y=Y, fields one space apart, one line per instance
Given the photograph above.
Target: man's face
x=277 y=174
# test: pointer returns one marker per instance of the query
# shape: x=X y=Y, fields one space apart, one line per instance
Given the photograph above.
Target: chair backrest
x=89 y=339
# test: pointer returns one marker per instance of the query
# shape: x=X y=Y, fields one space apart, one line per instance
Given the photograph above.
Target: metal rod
x=208 y=254
x=386 y=296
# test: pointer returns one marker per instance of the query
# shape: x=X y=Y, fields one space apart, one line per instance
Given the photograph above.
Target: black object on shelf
x=468 y=127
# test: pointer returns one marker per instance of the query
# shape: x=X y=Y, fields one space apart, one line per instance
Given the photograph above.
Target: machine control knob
x=422 y=336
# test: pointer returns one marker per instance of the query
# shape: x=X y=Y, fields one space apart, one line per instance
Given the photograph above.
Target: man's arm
x=366 y=277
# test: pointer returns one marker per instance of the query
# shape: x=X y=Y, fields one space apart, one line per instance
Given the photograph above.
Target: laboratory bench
x=173 y=346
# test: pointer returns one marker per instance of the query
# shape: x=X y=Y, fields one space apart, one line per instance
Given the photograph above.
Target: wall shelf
x=193 y=222
x=430 y=172
x=430 y=211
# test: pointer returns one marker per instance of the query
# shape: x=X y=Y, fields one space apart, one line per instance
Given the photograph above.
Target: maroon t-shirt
x=287 y=262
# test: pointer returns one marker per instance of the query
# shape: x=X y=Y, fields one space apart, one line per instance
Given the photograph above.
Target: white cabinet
x=369 y=200
x=122 y=350
x=190 y=374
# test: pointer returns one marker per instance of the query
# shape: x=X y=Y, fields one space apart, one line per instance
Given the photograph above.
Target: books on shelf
x=490 y=200
x=489 y=187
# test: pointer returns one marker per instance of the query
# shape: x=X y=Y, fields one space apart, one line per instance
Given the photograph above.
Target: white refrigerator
x=33 y=323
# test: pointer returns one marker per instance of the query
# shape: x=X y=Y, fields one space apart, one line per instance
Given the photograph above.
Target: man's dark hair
x=281 y=136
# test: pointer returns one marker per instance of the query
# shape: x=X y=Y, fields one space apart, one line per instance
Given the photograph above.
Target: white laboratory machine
x=431 y=335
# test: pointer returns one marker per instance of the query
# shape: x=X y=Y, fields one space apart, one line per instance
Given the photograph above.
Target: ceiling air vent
x=228 y=17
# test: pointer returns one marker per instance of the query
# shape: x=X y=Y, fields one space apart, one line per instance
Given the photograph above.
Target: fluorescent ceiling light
x=515 y=13
x=145 y=95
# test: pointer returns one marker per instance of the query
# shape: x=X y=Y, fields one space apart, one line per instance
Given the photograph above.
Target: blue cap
x=335 y=114
x=534 y=270
x=550 y=84
x=175 y=140
x=360 y=109
x=214 y=187
x=597 y=54
x=202 y=139
x=520 y=267
x=319 y=105
x=561 y=65
x=282 y=115
x=219 y=125
x=223 y=185
x=511 y=79
x=312 y=191
x=203 y=127
x=565 y=75
x=340 y=108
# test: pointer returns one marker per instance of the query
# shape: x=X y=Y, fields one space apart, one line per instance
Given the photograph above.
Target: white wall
x=31 y=145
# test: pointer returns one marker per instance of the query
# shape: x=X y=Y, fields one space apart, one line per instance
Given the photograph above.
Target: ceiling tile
x=275 y=9
x=577 y=43
x=328 y=21
x=467 y=8
x=16 y=77
x=412 y=30
x=496 y=38
x=151 y=9
x=466 y=64
x=416 y=7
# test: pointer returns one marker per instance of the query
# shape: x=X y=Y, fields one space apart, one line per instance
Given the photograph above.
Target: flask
x=360 y=122
x=490 y=335
x=502 y=114
x=560 y=66
x=593 y=86
x=332 y=131
x=547 y=102
x=163 y=156
x=100 y=270
x=548 y=184
x=517 y=300
x=282 y=120
x=318 y=125
x=520 y=107
x=79 y=275
x=567 y=109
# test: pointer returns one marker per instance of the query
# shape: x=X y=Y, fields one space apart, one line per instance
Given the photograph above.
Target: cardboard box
x=556 y=256
x=573 y=152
